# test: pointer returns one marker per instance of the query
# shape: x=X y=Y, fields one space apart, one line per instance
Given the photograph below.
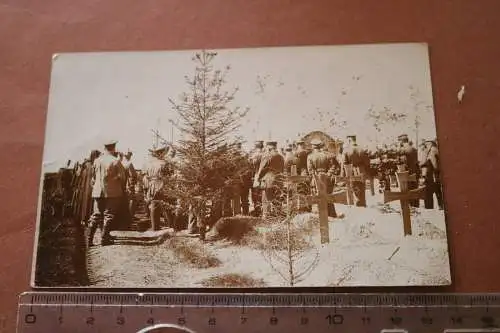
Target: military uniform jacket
x=255 y=158
x=359 y=159
x=271 y=166
x=109 y=177
x=409 y=156
x=130 y=175
x=289 y=160
x=244 y=169
x=430 y=158
x=156 y=172
x=430 y=162
x=319 y=162
x=301 y=161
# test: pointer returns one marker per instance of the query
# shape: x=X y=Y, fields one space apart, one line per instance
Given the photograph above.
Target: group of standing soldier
x=113 y=188
x=348 y=160
x=422 y=164
x=269 y=167
x=116 y=187
x=116 y=183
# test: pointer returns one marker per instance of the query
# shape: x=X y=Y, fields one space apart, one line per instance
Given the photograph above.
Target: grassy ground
x=366 y=248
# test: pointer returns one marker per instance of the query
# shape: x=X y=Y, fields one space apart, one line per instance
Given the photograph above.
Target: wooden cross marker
x=322 y=199
x=404 y=196
x=350 y=178
x=291 y=182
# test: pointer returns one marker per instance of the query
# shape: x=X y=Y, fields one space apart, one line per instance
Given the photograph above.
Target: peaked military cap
x=158 y=150
x=402 y=136
x=299 y=142
x=259 y=143
x=352 y=137
x=316 y=142
x=271 y=143
x=110 y=143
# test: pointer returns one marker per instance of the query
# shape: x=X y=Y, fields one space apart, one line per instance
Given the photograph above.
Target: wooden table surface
x=463 y=37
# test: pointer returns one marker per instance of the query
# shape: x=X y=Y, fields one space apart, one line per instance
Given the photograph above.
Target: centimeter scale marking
x=258 y=312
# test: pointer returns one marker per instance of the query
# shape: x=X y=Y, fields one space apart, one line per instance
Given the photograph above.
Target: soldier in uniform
x=422 y=152
x=289 y=159
x=256 y=192
x=83 y=201
x=145 y=182
x=318 y=163
x=246 y=173
x=156 y=172
x=360 y=162
x=107 y=192
x=130 y=182
x=268 y=176
x=409 y=158
x=386 y=168
x=177 y=219
x=401 y=137
x=241 y=190
x=430 y=172
x=301 y=153
x=373 y=163
x=437 y=175
x=301 y=158
x=340 y=154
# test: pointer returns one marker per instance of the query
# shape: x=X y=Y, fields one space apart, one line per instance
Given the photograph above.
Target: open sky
x=124 y=95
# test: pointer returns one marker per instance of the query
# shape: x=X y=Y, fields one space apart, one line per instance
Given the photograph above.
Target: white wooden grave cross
x=322 y=198
x=404 y=196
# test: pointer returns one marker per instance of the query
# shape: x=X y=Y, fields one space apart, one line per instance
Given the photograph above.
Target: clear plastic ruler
x=257 y=312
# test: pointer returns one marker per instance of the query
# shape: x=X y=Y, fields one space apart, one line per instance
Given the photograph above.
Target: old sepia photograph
x=310 y=166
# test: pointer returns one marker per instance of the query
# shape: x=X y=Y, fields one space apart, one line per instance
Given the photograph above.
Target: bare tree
x=385 y=117
x=335 y=120
x=420 y=110
x=288 y=246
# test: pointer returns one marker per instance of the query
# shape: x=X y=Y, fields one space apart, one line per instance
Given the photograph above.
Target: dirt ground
x=367 y=248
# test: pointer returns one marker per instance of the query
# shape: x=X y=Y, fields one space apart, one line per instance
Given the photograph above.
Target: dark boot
x=202 y=233
x=106 y=237
x=132 y=208
x=245 y=203
x=147 y=209
x=359 y=193
x=226 y=207
x=244 y=208
x=257 y=201
x=429 y=192
x=439 y=194
x=155 y=215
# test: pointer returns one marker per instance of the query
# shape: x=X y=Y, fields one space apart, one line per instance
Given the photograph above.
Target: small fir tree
x=208 y=123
